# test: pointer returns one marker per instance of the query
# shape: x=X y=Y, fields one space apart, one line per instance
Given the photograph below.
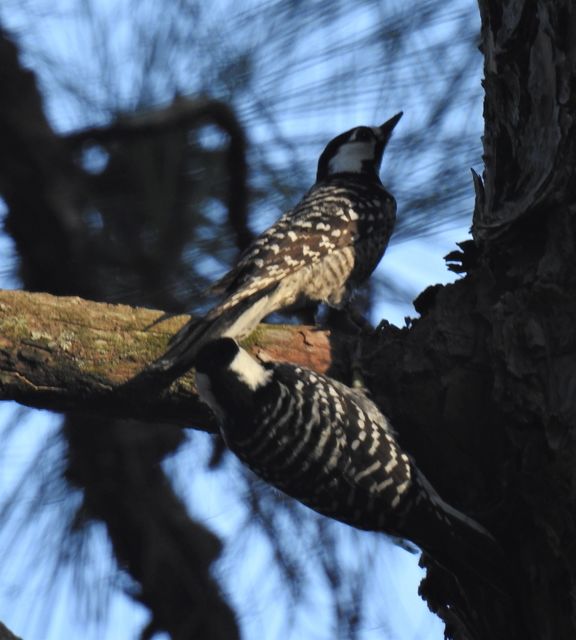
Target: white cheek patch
x=351 y=156
x=250 y=372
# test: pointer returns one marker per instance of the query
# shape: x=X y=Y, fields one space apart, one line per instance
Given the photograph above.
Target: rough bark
x=70 y=354
x=526 y=227
x=482 y=387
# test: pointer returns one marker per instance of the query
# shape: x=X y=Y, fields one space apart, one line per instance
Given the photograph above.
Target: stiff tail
x=455 y=541
x=183 y=348
x=234 y=321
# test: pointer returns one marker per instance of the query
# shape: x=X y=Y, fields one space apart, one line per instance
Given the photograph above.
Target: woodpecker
x=331 y=448
x=321 y=250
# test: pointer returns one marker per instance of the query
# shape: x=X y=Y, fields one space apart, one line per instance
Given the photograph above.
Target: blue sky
x=397 y=612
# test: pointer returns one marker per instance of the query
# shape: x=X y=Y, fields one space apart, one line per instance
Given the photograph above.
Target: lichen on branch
x=66 y=353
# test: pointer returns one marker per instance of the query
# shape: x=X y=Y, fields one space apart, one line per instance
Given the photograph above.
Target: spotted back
x=342 y=213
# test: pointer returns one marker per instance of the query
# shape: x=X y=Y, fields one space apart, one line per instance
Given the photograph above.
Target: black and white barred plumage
x=329 y=447
x=321 y=250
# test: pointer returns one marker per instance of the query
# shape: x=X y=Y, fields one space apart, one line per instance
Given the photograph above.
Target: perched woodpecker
x=321 y=250
x=330 y=447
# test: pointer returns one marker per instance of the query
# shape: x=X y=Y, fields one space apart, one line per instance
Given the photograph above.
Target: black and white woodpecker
x=321 y=250
x=331 y=448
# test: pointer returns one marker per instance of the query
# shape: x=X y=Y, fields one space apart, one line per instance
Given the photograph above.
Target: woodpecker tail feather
x=183 y=348
x=231 y=320
x=455 y=541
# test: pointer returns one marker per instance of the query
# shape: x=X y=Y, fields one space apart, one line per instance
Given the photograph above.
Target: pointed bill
x=385 y=130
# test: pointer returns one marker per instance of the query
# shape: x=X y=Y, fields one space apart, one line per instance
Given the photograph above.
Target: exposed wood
x=66 y=353
x=481 y=388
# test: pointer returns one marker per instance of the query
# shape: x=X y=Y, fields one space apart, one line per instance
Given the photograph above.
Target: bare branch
x=72 y=354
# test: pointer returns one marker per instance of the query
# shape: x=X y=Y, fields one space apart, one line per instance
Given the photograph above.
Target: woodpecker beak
x=387 y=128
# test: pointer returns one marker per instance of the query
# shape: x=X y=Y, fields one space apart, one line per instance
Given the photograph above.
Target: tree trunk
x=482 y=387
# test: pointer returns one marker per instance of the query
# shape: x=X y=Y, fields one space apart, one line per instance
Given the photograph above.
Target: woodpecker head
x=356 y=151
x=227 y=376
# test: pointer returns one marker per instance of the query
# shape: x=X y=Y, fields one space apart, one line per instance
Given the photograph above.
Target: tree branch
x=70 y=354
x=187 y=113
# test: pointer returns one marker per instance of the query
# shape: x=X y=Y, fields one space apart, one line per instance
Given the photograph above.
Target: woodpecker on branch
x=331 y=448
x=321 y=250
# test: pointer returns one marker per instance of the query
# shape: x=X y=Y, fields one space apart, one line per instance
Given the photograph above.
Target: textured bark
x=530 y=55
x=530 y=149
x=482 y=387
x=69 y=354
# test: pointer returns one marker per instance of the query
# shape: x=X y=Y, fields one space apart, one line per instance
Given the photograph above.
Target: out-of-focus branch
x=189 y=113
x=43 y=189
x=66 y=353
